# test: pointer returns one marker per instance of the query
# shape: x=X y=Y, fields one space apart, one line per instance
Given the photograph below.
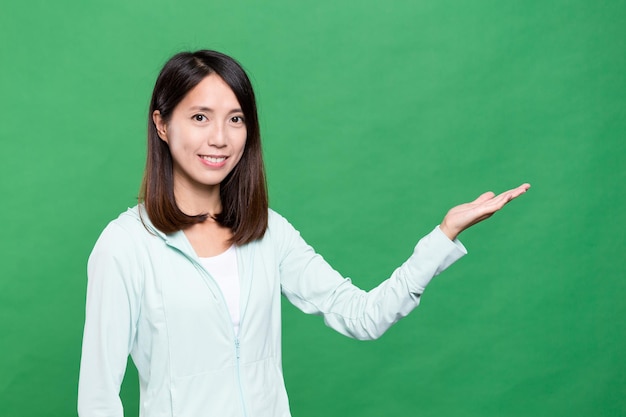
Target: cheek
x=181 y=140
x=239 y=153
x=242 y=139
x=242 y=146
x=238 y=140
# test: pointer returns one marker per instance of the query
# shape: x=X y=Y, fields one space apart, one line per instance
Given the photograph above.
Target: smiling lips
x=213 y=161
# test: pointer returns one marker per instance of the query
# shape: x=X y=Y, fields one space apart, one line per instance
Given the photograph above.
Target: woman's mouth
x=213 y=160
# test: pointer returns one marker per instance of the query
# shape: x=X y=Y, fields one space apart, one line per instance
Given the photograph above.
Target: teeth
x=215 y=160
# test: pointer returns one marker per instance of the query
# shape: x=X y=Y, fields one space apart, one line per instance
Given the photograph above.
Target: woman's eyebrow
x=200 y=108
x=210 y=110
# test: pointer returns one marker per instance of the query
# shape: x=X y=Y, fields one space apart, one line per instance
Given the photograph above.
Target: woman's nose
x=218 y=136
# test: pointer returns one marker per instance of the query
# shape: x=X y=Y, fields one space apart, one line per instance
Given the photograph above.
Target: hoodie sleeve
x=112 y=308
x=313 y=286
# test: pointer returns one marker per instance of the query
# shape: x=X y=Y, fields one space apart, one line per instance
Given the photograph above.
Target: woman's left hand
x=466 y=215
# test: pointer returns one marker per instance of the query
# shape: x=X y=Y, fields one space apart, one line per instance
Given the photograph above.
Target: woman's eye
x=199 y=117
x=236 y=119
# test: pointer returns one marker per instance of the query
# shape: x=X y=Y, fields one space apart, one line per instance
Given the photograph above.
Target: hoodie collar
x=177 y=240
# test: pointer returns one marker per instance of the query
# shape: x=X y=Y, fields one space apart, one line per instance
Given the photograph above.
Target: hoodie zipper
x=237 y=344
x=237 y=352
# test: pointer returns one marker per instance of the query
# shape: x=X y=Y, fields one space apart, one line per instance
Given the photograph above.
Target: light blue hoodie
x=149 y=296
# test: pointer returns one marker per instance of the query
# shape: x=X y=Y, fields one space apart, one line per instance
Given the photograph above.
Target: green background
x=377 y=117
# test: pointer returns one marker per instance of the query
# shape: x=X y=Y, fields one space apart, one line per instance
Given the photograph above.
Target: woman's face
x=206 y=135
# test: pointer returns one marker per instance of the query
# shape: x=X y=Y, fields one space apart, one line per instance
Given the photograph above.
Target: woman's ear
x=161 y=127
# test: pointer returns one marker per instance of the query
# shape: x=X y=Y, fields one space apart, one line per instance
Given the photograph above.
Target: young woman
x=189 y=282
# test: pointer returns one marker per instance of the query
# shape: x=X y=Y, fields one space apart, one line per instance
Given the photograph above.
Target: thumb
x=484 y=197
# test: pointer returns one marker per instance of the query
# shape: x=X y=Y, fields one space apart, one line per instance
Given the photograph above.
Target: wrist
x=449 y=232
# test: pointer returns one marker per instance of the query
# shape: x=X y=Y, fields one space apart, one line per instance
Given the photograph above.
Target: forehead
x=212 y=93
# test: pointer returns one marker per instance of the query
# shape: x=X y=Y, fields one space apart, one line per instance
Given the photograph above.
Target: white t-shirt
x=223 y=268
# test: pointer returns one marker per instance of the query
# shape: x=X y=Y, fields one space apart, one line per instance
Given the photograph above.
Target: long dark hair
x=244 y=191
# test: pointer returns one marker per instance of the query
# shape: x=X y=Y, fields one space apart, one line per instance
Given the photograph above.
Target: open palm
x=466 y=215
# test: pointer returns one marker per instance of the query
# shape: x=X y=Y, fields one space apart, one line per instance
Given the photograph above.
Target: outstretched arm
x=466 y=215
x=313 y=286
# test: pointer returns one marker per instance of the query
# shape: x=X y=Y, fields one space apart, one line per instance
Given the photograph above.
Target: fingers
x=506 y=196
x=519 y=190
x=501 y=200
x=484 y=197
x=516 y=192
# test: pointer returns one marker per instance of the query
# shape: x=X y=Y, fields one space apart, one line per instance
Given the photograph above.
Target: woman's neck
x=194 y=201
